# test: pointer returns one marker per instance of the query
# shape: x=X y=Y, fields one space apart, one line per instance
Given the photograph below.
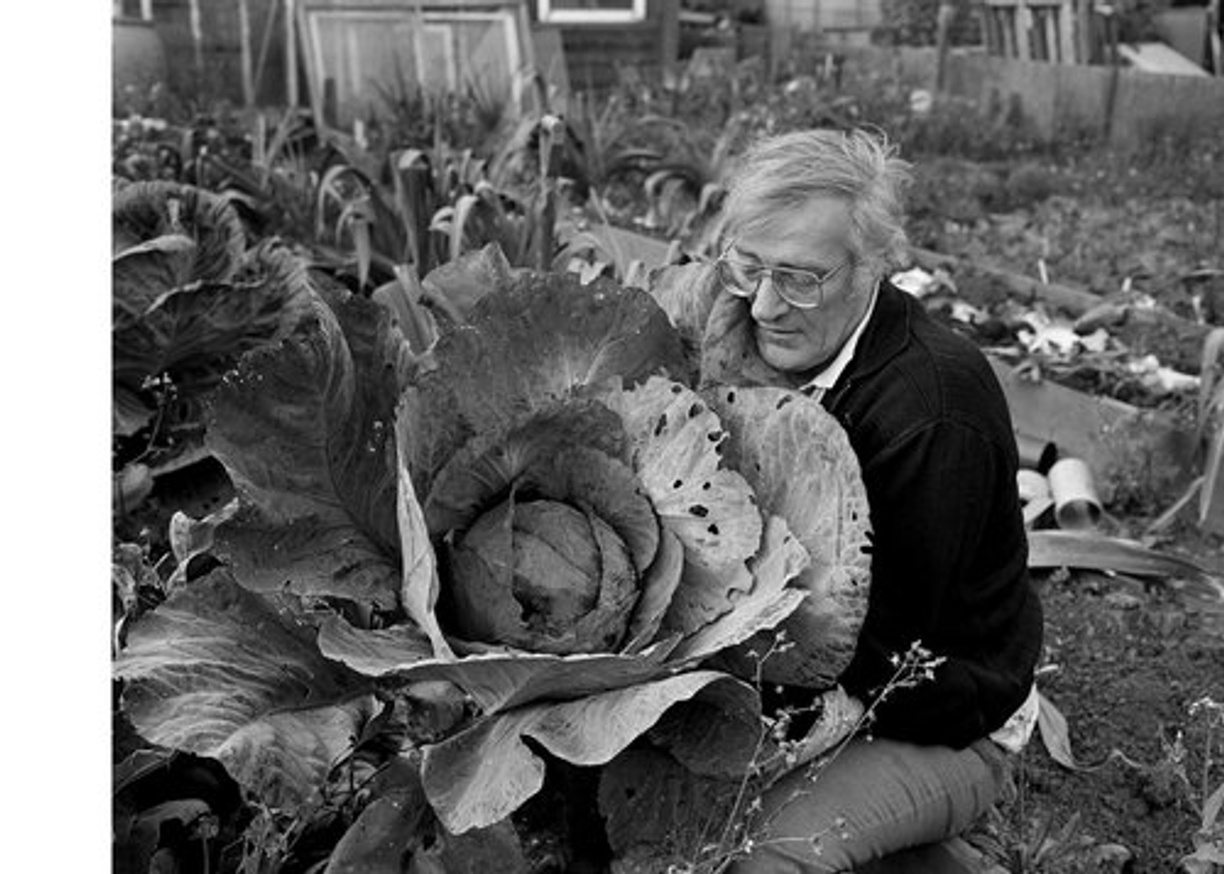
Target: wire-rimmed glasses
x=802 y=289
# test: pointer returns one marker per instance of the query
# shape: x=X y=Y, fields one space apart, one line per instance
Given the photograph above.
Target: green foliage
x=1206 y=794
x=188 y=300
x=340 y=586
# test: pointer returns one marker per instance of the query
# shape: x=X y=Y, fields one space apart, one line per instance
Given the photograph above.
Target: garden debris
x=920 y=283
x=1057 y=337
x=1078 y=549
x=1160 y=379
x=1112 y=859
x=1074 y=495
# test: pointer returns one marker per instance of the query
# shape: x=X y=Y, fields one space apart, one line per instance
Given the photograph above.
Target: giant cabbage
x=571 y=531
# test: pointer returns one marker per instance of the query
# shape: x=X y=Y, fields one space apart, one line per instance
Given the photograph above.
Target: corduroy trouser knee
x=873 y=798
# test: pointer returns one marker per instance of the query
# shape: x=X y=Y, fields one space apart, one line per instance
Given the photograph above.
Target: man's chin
x=783 y=357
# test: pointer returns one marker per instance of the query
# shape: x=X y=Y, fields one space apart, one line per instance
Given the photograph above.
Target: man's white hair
x=778 y=175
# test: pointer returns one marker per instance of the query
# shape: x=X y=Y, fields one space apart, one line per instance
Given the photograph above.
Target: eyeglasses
x=802 y=289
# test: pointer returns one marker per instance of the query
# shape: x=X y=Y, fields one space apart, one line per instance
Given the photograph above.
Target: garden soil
x=1125 y=659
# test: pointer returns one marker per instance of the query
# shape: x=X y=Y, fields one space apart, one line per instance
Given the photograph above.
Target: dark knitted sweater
x=930 y=426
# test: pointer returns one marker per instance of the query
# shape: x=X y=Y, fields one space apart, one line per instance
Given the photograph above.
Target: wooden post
x=943 y=23
x=265 y=43
x=1066 y=31
x=1024 y=29
x=197 y=38
x=418 y=45
x=669 y=44
x=1215 y=37
x=528 y=63
x=244 y=53
x=1083 y=31
x=291 y=55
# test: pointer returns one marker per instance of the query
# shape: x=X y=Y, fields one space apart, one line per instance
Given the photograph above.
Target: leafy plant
x=685 y=193
x=271 y=181
x=1208 y=855
x=547 y=439
x=388 y=224
x=188 y=301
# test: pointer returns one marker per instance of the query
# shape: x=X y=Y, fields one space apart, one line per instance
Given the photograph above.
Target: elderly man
x=812 y=227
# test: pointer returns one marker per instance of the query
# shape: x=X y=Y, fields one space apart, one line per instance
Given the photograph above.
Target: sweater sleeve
x=948 y=562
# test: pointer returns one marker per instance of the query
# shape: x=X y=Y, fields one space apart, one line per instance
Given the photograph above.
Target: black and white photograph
x=631 y=437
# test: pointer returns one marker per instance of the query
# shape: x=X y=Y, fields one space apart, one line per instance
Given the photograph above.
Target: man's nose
x=767 y=304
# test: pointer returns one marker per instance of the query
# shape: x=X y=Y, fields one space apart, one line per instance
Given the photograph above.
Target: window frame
x=635 y=14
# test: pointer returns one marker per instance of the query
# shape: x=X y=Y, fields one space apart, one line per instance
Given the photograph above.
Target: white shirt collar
x=828 y=377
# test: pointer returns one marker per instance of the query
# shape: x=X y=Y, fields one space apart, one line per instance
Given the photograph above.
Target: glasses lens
x=738 y=279
x=800 y=289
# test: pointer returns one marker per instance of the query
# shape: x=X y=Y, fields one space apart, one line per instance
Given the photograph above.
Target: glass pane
x=486 y=62
x=373 y=55
x=369 y=57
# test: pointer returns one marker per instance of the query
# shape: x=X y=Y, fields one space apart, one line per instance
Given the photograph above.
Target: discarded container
x=1076 y=504
x=1032 y=485
x=1034 y=492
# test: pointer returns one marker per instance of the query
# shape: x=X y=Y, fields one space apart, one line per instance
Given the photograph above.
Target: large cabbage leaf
x=499 y=681
x=760 y=606
x=728 y=351
x=484 y=773
x=802 y=468
x=306 y=430
x=196 y=331
x=217 y=671
x=686 y=292
x=660 y=816
x=675 y=448
x=373 y=652
x=541 y=339
x=463 y=282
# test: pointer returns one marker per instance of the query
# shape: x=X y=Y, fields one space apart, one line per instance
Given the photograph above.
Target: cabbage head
x=581 y=530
